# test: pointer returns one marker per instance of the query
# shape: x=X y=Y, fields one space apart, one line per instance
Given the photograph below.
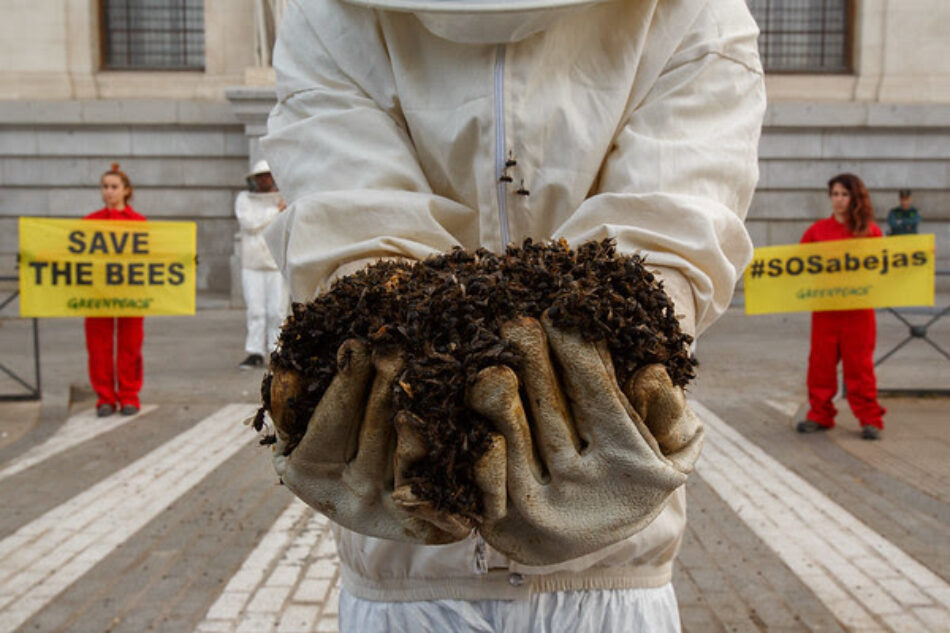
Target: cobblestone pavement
x=172 y=519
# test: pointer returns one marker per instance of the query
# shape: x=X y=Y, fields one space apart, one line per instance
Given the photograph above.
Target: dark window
x=804 y=36
x=153 y=34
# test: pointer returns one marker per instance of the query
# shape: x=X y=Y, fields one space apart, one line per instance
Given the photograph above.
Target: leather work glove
x=594 y=465
x=344 y=464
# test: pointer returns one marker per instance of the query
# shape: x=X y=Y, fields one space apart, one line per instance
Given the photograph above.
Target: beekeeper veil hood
x=482 y=21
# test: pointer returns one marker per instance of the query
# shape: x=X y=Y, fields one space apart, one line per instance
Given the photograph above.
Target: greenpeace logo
x=838 y=292
x=82 y=303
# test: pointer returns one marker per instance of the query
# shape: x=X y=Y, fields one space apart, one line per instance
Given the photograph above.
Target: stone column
x=268 y=14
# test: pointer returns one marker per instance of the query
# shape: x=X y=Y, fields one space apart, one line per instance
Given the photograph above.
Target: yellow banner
x=106 y=267
x=841 y=275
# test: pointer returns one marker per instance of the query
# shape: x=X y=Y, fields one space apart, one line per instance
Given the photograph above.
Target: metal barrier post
x=33 y=391
x=919 y=332
x=915 y=331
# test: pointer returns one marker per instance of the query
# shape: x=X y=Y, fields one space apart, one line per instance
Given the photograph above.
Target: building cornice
x=116 y=112
x=251 y=105
x=856 y=114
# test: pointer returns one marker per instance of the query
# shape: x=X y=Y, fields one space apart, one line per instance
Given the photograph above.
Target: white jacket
x=634 y=119
x=254 y=212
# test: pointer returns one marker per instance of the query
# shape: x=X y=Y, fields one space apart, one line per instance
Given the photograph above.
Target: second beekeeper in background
x=265 y=295
x=407 y=127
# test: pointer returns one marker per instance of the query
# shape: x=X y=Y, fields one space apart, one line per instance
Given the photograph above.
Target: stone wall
x=899 y=57
x=51 y=51
x=186 y=160
x=890 y=146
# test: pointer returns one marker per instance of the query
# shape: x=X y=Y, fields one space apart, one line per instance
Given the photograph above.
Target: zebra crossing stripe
x=290 y=582
x=866 y=581
x=785 y=407
x=47 y=555
x=76 y=430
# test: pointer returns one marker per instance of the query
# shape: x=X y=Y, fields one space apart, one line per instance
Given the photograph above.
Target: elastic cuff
x=680 y=291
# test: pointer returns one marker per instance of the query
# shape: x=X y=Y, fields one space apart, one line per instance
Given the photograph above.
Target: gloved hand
x=344 y=464
x=595 y=466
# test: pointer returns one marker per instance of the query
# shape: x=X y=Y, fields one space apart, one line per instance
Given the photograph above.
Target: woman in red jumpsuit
x=115 y=370
x=845 y=335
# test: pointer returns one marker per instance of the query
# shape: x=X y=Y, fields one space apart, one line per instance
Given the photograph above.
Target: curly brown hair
x=860 y=212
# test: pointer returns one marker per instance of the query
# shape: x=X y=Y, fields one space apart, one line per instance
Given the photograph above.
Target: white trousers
x=266 y=300
x=627 y=610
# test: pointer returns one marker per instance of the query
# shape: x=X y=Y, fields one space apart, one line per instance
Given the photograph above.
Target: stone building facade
x=186 y=134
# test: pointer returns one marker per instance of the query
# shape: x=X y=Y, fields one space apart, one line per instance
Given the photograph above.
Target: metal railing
x=917 y=331
x=805 y=36
x=32 y=391
x=168 y=35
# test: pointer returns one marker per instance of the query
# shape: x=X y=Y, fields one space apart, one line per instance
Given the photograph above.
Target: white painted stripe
x=785 y=407
x=287 y=583
x=866 y=581
x=44 y=557
x=77 y=429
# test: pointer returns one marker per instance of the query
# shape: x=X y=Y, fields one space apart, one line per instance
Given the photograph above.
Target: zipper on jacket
x=480 y=563
x=502 y=186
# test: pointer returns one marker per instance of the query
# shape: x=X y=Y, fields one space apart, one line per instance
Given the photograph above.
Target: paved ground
x=171 y=520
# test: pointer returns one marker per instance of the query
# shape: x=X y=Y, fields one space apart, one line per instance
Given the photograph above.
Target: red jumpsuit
x=116 y=375
x=845 y=335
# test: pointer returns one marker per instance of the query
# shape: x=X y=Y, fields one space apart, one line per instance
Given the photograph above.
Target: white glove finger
x=410 y=448
x=435 y=527
x=489 y=470
x=593 y=391
x=376 y=443
x=549 y=409
x=665 y=412
x=335 y=424
x=494 y=394
x=490 y=479
x=285 y=385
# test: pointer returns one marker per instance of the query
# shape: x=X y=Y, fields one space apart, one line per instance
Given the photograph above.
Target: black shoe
x=869 y=432
x=252 y=361
x=129 y=409
x=810 y=426
x=105 y=410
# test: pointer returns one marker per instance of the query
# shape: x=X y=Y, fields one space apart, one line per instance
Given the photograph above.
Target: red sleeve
x=133 y=214
x=875 y=231
x=97 y=215
x=809 y=235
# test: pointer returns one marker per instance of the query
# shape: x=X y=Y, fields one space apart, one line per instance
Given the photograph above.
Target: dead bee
x=445 y=315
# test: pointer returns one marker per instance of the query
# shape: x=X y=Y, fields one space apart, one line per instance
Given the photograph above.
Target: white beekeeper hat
x=260 y=167
x=482 y=21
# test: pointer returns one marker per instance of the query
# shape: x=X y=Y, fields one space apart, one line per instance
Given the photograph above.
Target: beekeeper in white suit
x=408 y=127
x=265 y=295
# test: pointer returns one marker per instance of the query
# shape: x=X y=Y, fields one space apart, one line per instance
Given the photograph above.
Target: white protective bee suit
x=265 y=293
x=405 y=128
